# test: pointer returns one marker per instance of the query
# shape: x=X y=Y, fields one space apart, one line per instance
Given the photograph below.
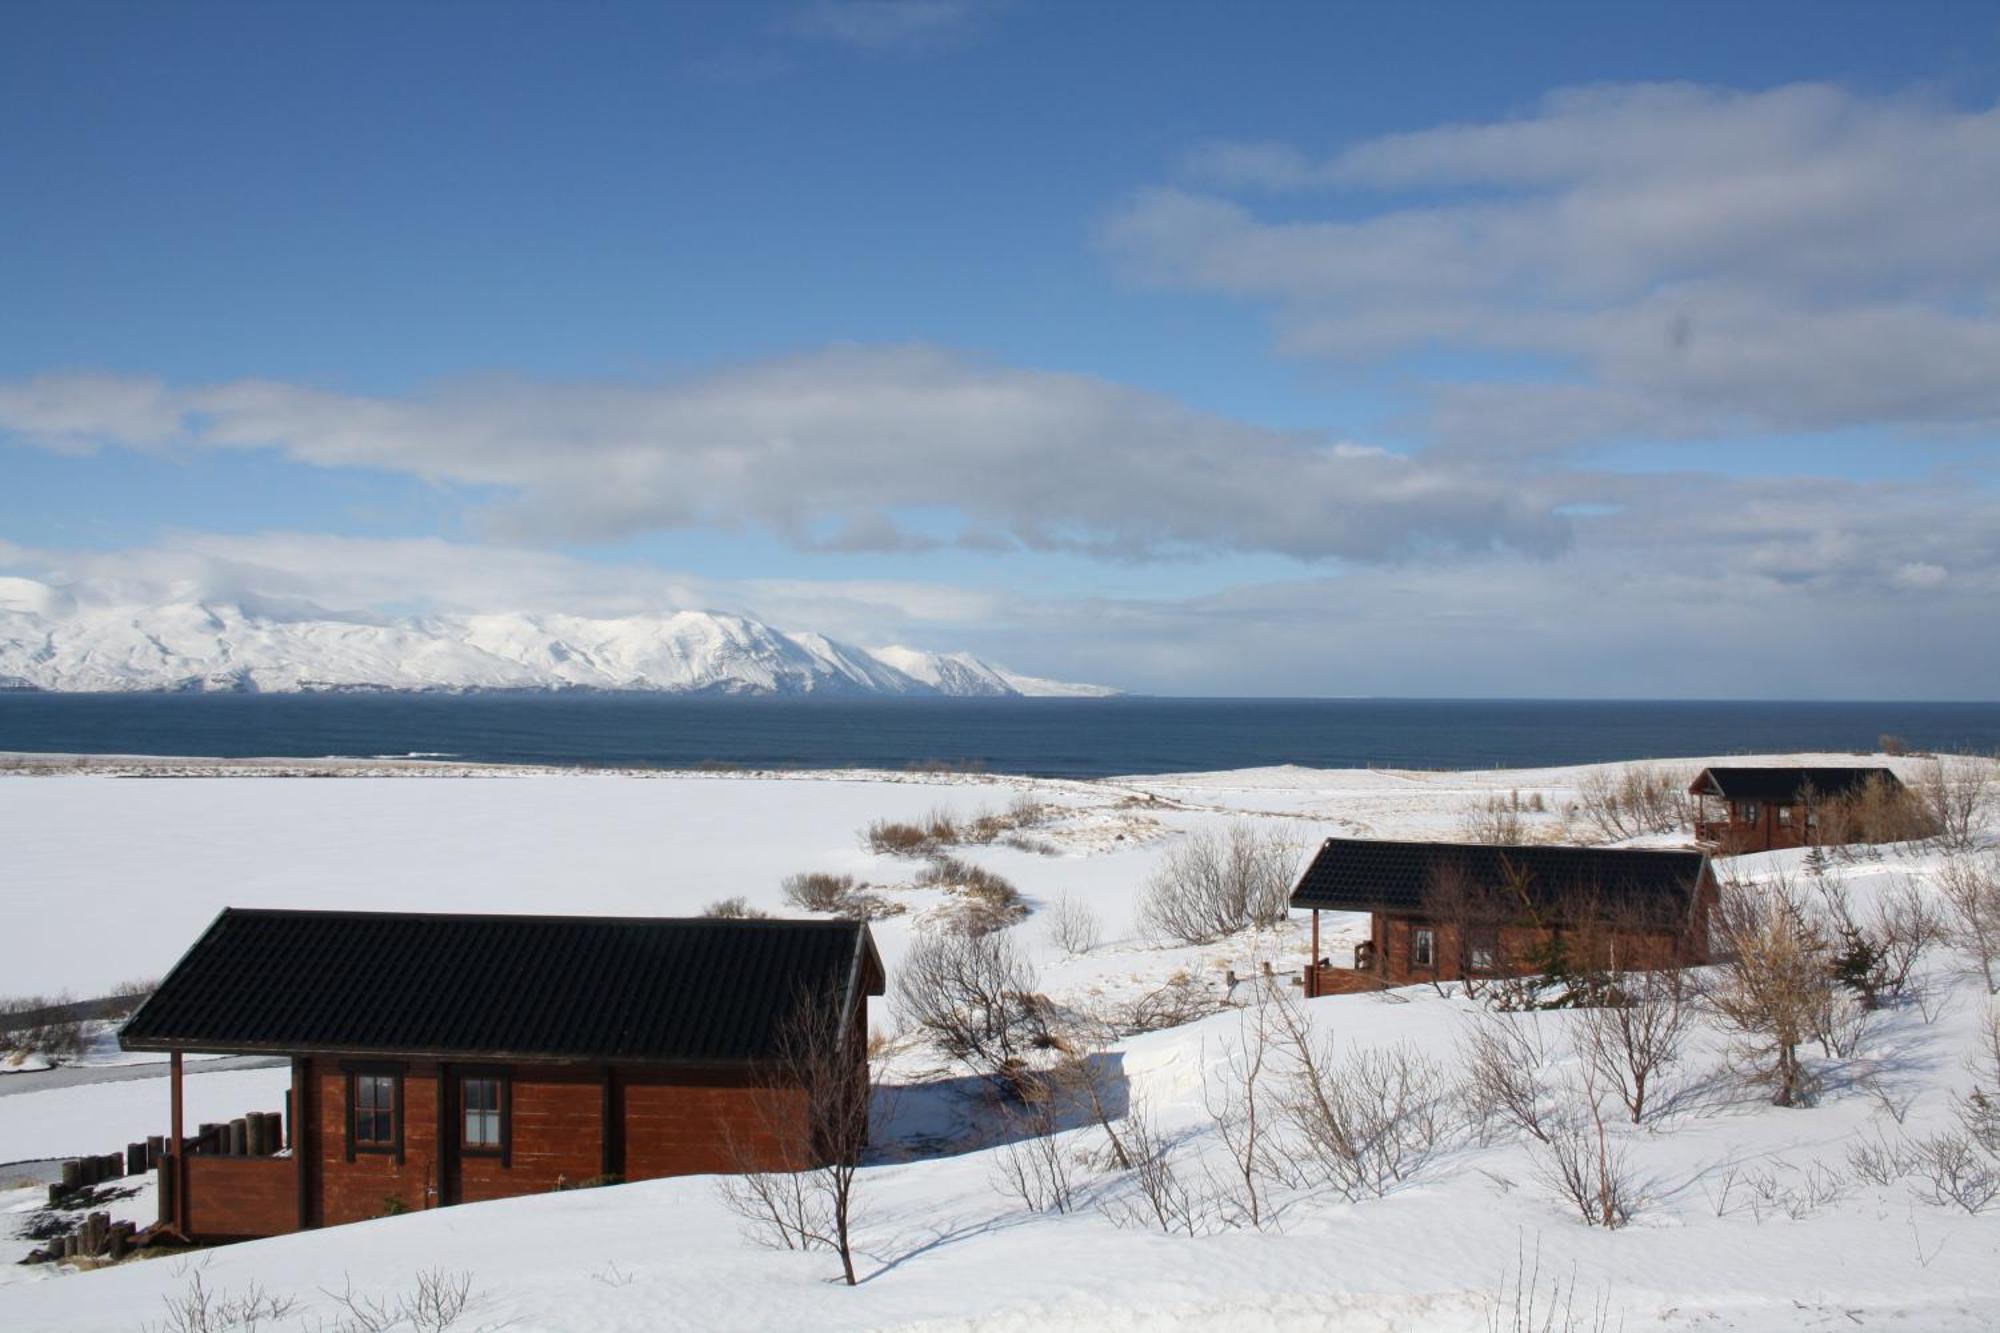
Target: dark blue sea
x=1047 y=737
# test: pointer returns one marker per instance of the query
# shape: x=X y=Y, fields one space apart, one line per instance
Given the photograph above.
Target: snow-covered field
x=1740 y=1224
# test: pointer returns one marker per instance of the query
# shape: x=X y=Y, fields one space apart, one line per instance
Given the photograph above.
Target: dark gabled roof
x=643 y=989
x=1784 y=784
x=1365 y=875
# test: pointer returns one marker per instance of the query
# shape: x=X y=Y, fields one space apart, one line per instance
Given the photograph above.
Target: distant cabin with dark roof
x=437 y=1059
x=1446 y=911
x=1740 y=810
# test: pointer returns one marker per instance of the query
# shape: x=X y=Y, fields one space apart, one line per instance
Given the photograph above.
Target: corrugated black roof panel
x=1366 y=875
x=654 y=989
x=1785 y=784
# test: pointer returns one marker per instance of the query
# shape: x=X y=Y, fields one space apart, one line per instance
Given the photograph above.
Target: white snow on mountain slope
x=52 y=640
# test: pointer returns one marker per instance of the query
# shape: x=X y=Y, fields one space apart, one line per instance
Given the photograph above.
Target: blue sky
x=1202 y=349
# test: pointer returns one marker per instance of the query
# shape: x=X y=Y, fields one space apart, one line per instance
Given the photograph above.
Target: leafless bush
x=1182 y=1000
x=196 y=1309
x=1506 y=1060
x=1521 y=1305
x=1212 y=887
x=1580 y=1161
x=434 y=1304
x=1633 y=800
x=1166 y=1198
x=812 y=1127
x=1955 y=1168
x=1906 y=925
x=1630 y=1043
x=1775 y=989
x=1955 y=796
x=734 y=909
x=1971 y=884
x=987 y=901
x=1878 y=811
x=1238 y=1106
x=975 y=996
x=1778 y=1190
x=901 y=838
x=1073 y=927
x=1364 y=1124
x=1035 y=1166
x=1497 y=821
x=54 y=1039
x=990 y=826
x=817 y=891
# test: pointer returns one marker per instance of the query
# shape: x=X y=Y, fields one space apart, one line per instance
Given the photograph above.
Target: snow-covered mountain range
x=51 y=640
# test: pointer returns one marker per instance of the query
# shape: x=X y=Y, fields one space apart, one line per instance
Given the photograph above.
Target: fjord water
x=1046 y=737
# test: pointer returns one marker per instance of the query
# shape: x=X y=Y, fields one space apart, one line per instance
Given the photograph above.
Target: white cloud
x=836 y=450
x=1677 y=260
x=893 y=26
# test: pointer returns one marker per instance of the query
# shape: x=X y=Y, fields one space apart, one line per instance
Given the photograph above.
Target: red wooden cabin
x=1741 y=810
x=439 y=1059
x=1443 y=911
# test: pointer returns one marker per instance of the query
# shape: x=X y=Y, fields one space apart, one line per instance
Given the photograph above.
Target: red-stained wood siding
x=234 y=1197
x=676 y=1128
x=558 y=1138
x=365 y=1187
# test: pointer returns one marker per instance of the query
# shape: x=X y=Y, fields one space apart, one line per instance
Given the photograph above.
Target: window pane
x=482 y=1112
x=374 y=1107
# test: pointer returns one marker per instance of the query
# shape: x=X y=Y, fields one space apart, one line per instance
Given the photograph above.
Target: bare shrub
x=734 y=909
x=1182 y=1000
x=936 y=830
x=1630 y=1043
x=1955 y=796
x=1876 y=812
x=990 y=826
x=817 y=891
x=1507 y=1060
x=1364 y=1124
x=812 y=1117
x=1237 y=1102
x=1496 y=821
x=1166 y=1199
x=433 y=1305
x=196 y=1309
x=1779 y=1190
x=1954 y=1168
x=988 y=901
x=1775 y=987
x=975 y=996
x=1523 y=1305
x=1211 y=887
x=1073 y=927
x=1633 y=800
x=1034 y=1165
x=1971 y=884
x=26 y=1028
x=1580 y=1161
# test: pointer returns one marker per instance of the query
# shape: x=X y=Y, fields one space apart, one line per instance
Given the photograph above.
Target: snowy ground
x=1714 y=1244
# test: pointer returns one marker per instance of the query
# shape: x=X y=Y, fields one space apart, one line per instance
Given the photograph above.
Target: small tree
x=1631 y=1041
x=1073 y=927
x=1776 y=986
x=1971 y=884
x=1211 y=887
x=975 y=995
x=795 y=1179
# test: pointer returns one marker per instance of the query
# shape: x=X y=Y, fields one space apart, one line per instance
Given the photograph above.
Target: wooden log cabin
x=439 y=1059
x=1740 y=810
x=1445 y=911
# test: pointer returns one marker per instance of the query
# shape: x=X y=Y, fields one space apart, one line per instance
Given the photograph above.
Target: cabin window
x=1423 y=947
x=1751 y=812
x=1784 y=814
x=1482 y=951
x=375 y=1111
x=484 y=1107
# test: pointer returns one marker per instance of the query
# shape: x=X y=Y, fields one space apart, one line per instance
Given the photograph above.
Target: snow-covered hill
x=51 y=640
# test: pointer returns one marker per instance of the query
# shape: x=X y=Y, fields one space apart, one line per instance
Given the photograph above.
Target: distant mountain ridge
x=50 y=640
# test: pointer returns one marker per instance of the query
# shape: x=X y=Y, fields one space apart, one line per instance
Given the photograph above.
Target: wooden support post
x=1312 y=967
x=180 y=1145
